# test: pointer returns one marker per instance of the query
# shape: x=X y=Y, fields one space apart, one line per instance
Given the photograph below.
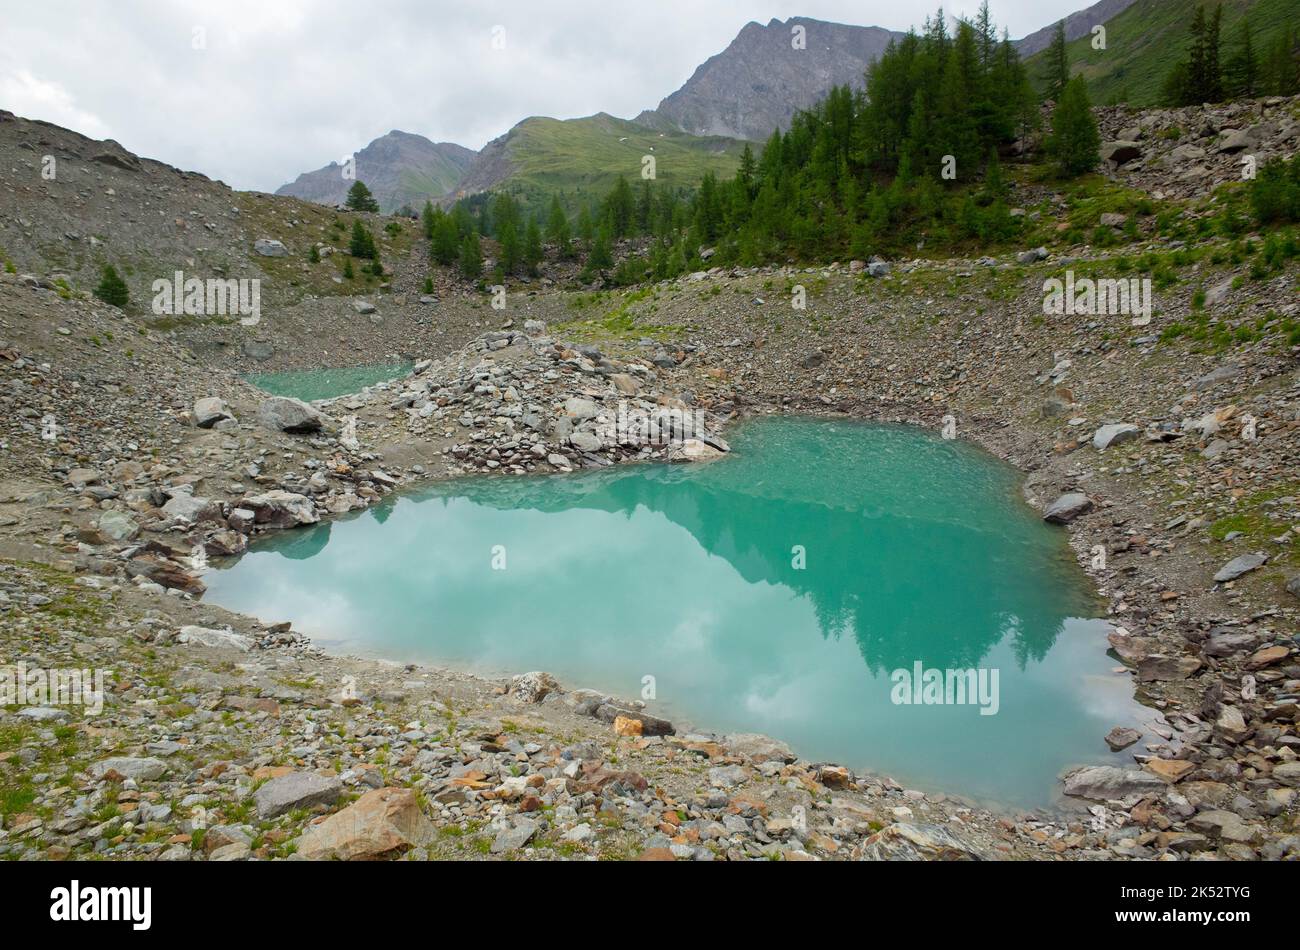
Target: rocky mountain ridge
x=767 y=74
x=400 y=169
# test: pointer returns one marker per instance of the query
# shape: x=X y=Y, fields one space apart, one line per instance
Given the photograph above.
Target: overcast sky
x=280 y=87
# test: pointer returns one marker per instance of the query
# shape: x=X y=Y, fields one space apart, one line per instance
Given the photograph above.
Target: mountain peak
x=400 y=168
x=761 y=79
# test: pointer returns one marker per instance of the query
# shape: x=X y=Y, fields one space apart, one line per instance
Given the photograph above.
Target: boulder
x=1114 y=434
x=1170 y=771
x=136 y=769
x=281 y=509
x=1103 y=783
x=164 y=571
x=1121 y=737
x=209 y=411
x=627 y=385
x=580 y=409
x=1288 y=774
x=903 y=841
x=1225 y=641
x=1068 y=507
x=695 y=450
x=608 y=712
x=267 y=247
x=1130 y=649
x=187 y=509
x=586 y=441
x=1224 y=825
x=81 y=477
x=384 y=823
x=1231 y=724
x=1166 y=669
x=514 y=837
x=118 y=526
x=284 y=414
x=532 y=687
x=295 y=790
x=759 y=748
x=1239 y=566
x=1121 y=152
x=221 y=639
x=1218 y=294
x=1293 y=585
x=1237 y=140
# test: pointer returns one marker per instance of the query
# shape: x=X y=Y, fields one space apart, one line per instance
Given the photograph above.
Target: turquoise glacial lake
x=777 y=591
x=312 y=384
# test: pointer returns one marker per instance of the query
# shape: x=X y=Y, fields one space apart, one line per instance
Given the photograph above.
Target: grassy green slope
x=586 y=156
x=1145 y=42
x=431 y=182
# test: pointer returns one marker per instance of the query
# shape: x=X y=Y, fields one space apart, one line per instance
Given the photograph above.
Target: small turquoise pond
x=775 y=591
x=312 y=384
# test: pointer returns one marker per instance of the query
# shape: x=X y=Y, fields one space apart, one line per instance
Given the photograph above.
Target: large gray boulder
x=209 y=411
x=1121 y=152
x=136 y=769
x=1105 y=783
x=118 y=526
x=187 y=509
x=1114 y=434
x=218 y=639
x=281 y=508
x=1239 y=566
x=268 y=247
x=904 y=841
x=1068 y=507
x=295 y=790
x=285 y=414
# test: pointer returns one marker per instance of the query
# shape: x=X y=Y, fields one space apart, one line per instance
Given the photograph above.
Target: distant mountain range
x=752 y=88
x=585 y=157
x=399 y=169
x=1076 y=25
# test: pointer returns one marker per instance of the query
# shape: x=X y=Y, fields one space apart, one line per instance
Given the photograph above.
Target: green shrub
x=112 y=288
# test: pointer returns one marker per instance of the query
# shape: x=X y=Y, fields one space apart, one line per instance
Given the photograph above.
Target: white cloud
x=283 y=86
x=25 y=94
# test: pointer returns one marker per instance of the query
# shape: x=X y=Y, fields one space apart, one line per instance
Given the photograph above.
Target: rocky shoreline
x=128 y=460
x=593 y=758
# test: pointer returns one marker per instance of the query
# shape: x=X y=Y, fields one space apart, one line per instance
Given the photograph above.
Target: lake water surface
x=775 y=591
x=312 y=384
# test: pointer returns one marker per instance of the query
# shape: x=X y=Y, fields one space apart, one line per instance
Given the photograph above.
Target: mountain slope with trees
x=1146 y=42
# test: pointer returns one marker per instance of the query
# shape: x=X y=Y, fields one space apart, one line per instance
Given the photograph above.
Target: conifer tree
x=1076 y=142
x=532 y=253
x=112 y=288
x=1241 y=72
x=445 y=247
x=362 y=243
x=1057 y=60
x=360 y=199
x=471 y=257
x=557 y=228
